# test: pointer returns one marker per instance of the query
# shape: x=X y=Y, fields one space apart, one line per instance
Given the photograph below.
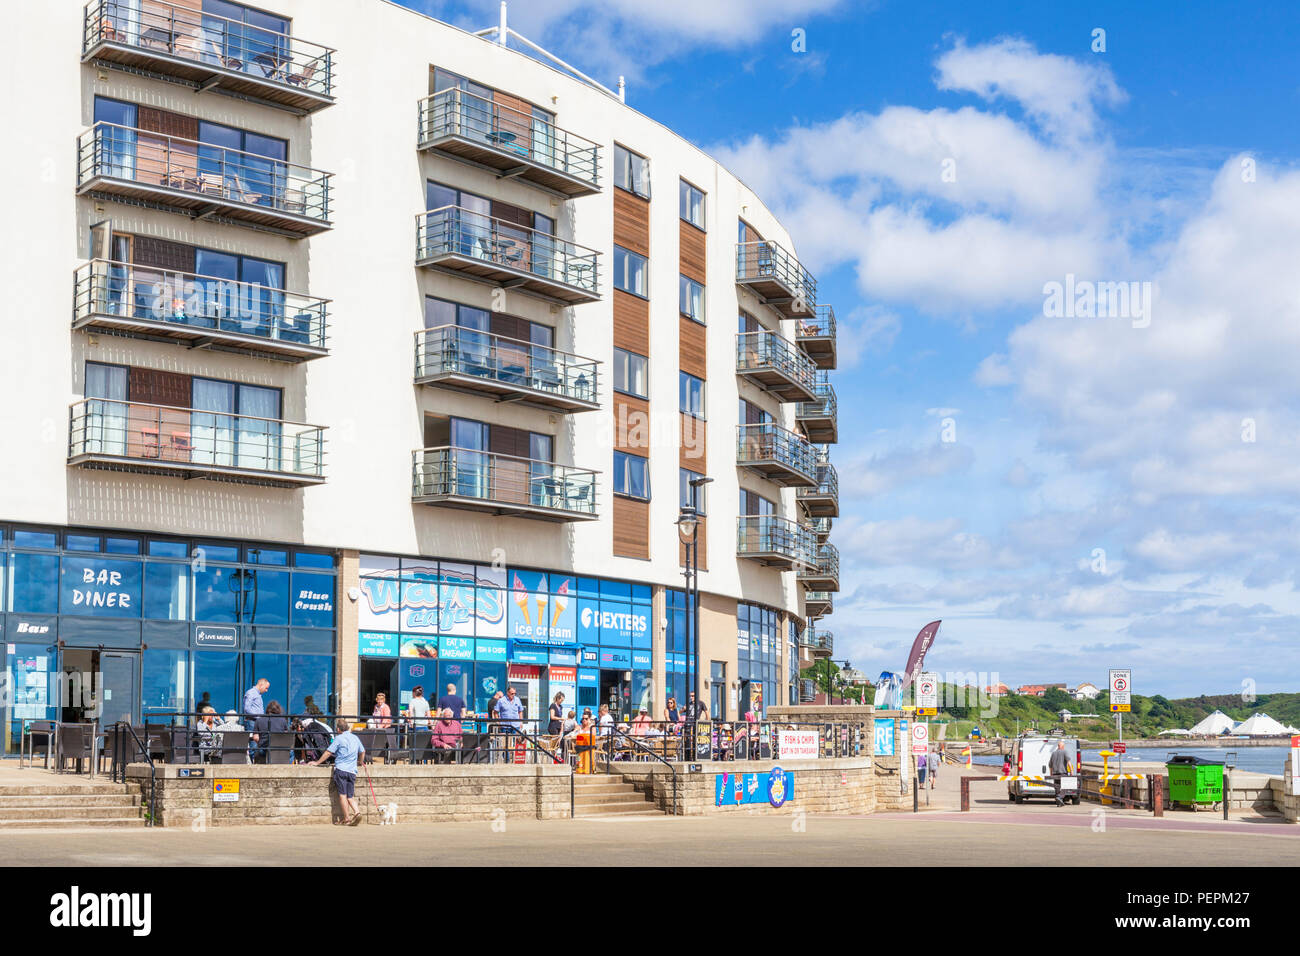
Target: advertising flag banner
x=924 y=638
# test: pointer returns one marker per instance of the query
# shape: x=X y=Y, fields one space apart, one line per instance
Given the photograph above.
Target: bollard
x=916 y=797
x=1156 y=783
x=965 y=794
x=1227 y=792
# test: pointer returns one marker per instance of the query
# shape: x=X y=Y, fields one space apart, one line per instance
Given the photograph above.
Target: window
x=690 y=495
x=691 y=204
x=690 y=395
x=630 y=373
x=754 y=504
x=631 y=171
x=690 y=296
x=631 y=475
x=629 y=271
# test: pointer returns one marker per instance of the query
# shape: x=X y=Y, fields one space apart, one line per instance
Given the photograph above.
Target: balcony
x=476 y=246
x=772 y=361
x=201 y=311
x=774 y=541
x=776 y=277
x=807 y=690
x=823 y=642
x=202 y=180
x=502 y=484
x=818 y=418
x=821 y=528
x=824 y=575
x=822 y=500
x=177 y=42
x=816 y=336
x=193 y=443
x=509 y=142
x=507 y=369
x=776 y=453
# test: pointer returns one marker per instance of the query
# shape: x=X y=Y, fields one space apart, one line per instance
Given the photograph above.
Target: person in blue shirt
x=345 y=748
x=510 y=708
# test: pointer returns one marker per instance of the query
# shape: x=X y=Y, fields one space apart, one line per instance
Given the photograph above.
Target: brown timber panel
x=694 y=447
x=631 y=425
x=155 y=387
x=692 y=252
x=163 y=254
x=632 y=222
x=631 y=322
x=515 y=117
x=631 y=528
x=693 y=355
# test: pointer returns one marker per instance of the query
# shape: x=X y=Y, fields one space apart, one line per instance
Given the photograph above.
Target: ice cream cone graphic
x=521 y=598
x=560 y=594
x=541 y=609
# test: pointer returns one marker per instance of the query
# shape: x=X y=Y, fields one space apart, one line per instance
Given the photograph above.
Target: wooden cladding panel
x=632 y=222
x=631 y=528
x=631 y=323
x=704 y=546
x=693 y=355
x=515 y=117
x=168 y=123
x=155 y=387
x=694 y=447
x=692 y=252
x=631 y=424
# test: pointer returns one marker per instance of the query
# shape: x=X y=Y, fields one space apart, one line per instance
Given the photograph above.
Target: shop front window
x=310 y=675
x=34 y=583
x=164 y=684
x=214 y=675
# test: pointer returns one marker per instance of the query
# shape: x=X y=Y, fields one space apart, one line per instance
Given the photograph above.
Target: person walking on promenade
x=1058 y=765
x=346 y=748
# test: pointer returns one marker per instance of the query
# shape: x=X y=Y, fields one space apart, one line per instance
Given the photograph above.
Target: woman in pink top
x=382 y=716
x=641 y=723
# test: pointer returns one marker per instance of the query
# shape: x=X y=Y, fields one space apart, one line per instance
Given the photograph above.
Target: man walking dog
x=346 y=748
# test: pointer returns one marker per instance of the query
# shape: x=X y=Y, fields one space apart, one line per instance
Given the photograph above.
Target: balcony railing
x=821 y=528
x=775 y=541
x=475 y=128
x=816 y=336
x=823 y=642
x=824 y=574
x=776 y=277
x=211 y=52
x=457 y=357
x=203 y=180
x=194 y=443
x=503 y=484
x=807 y=690
x=822 y=500
x=777 y=453
x=819 y=418
x=773 y=361
x=478 y=246
x=206 y=310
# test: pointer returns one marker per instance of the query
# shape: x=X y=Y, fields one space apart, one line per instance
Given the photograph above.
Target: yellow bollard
x=1103 y=785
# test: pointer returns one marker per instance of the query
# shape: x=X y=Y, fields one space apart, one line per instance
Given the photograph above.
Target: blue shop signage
x=216 y=638
x=490 y=650
x=372 y=644
x=456 y=648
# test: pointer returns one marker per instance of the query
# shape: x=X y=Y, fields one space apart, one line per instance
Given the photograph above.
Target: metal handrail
x=820 y=326
x=451 y=471
x=766 y=259
x=166 y=433
x=151 y=293
x=827 y=562
x=189 y=166
x=767 y=349
x=825 y=406
x=456 y=349
x=641 y=748
x=119 y=758
x=824 y=640
x=828 y=482
x=460 y=113
x=760 y=534
x=456 y=230
x=768 y=441
x=201 y=37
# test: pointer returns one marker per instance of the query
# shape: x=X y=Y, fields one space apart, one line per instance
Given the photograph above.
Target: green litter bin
x=1195 y=782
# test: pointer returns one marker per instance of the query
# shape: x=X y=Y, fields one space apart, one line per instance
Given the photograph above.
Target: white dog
x=388 y=813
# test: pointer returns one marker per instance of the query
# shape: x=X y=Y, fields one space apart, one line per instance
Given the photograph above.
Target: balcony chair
x=302 y=78
x=281 y=747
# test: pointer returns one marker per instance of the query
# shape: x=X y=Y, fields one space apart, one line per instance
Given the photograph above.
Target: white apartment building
x=360 y=352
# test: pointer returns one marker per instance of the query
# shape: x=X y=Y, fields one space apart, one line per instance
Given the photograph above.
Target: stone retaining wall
x=837 y=785
x=424 y=793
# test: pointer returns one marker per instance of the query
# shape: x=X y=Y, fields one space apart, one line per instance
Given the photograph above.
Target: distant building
x=1031 y=690
x=997 y=690
x=1085 y=691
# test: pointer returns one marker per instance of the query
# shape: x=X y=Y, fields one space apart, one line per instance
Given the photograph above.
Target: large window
x=630 y=373
x=629 y=271
x=690 y=295
x=691 y=495
x=691 y=202
x=631 y=475
x=631 y=171
x=690 y=395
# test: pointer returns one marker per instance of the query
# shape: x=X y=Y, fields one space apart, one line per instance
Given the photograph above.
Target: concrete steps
x=600 y=796
x=66 y=806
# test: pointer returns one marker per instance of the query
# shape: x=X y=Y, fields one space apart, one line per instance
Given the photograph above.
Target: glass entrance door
x=118 y=688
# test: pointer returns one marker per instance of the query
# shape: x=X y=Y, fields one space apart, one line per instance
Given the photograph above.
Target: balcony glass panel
x=449 y=472
x=456 y=350
x=766 y=260
x=774 y=535
x=757 y=351
x=768 y=442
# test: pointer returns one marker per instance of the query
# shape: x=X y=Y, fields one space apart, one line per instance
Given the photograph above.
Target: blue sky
x=1121 y=491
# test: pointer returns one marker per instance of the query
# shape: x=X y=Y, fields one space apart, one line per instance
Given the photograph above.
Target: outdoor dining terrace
x=182 y=42
x=452 y=356
x=194 y=443
x=510 y=141
x=477 y=246
x=502 y=484
x=204 y=311
x=202 y=180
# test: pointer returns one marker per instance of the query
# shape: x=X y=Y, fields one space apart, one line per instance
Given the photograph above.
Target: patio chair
x=73 y=742
x=421 y=746
x=243 y=194
x=182 y=746
x=303 y=78
x=234 y=747
x=45 y=729
x=280 y=749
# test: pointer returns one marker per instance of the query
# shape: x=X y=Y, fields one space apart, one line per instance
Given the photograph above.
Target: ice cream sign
x=541 y=608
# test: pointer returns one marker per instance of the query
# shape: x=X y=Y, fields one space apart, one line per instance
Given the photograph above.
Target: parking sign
x=1121 y=687
x=927 y=692
x=920 y=737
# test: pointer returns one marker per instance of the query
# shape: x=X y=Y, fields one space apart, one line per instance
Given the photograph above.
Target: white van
x=1030 y=756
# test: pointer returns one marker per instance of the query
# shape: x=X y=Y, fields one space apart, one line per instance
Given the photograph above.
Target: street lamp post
x=688 y=529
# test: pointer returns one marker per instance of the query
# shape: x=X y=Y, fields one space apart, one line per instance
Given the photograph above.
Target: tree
x=1055 y=699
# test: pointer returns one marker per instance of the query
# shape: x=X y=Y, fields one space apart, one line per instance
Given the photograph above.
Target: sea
x=1252 y=759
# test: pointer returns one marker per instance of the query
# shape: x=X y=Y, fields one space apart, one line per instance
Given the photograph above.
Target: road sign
x=926 y=711
x=1121 y=687
x=927 y=693
x=1118 y=746
x=920 y=738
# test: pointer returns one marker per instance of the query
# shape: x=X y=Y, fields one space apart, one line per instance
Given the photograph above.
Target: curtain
x=259 y=438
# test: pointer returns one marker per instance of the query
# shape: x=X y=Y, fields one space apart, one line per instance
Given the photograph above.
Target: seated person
x=446 y=737
x=272 y=722
x=207 y=738
x=641 y=723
